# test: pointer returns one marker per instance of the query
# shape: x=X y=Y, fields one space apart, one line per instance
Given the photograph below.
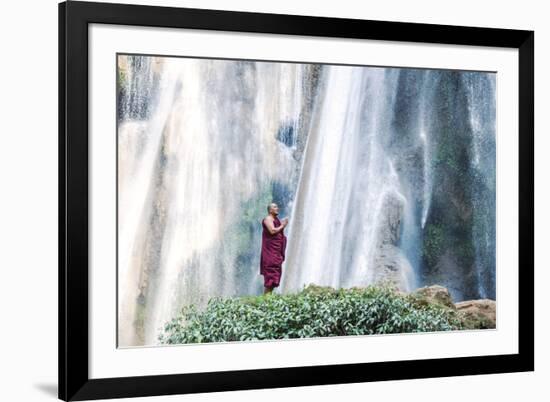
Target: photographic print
x=269 y=200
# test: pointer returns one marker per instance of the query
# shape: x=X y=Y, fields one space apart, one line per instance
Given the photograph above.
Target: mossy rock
x=430 y=295
x=477 y=314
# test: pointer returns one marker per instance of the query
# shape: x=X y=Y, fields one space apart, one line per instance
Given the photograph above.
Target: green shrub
x=313 y=312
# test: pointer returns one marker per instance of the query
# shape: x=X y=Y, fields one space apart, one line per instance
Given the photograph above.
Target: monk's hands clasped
x=284 y=222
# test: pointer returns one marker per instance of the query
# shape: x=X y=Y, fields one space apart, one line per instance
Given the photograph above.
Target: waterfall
x=366 y=161
x=481 y=107
x=211 y=141
x=138 y=142
x=348 y=188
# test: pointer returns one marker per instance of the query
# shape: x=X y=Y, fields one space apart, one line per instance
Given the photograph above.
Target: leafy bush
x=313 y=312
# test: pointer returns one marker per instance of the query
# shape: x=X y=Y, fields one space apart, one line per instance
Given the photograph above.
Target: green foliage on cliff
x=434 y=241
x=313 y=312
x=122 y=79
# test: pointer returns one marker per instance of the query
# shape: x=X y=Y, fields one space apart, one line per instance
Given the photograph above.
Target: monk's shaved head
x=272 y=205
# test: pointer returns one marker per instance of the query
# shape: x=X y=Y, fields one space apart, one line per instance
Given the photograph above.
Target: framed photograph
x=258 y=200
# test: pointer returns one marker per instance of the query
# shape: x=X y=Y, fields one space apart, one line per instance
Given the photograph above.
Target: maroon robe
x=273 y=255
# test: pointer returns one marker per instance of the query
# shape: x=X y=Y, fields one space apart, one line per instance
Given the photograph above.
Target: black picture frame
x=74 y=18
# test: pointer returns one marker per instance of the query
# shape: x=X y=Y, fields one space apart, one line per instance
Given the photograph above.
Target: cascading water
x=349 y=190
x=361 y=158
x=139 y=138
x=220 y=150
x=209 y=160
x=482 y=110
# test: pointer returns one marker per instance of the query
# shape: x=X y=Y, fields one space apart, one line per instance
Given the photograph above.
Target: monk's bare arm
x=271 y=227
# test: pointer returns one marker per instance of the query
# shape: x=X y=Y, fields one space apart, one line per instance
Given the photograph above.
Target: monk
x=273 y=248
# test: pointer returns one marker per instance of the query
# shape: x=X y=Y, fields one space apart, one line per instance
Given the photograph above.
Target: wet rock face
x=458 y=238
x=449 y=272
x=391 y=265
x=390 y=225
